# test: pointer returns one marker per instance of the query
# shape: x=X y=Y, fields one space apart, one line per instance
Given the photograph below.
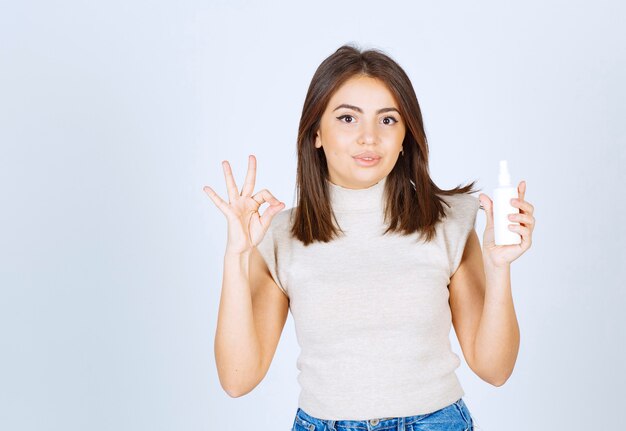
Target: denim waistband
x=456 y=411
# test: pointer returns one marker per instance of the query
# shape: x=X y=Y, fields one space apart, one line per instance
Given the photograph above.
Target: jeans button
x=374 y=422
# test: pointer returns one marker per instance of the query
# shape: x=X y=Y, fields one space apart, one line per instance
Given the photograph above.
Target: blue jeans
x=455 y=417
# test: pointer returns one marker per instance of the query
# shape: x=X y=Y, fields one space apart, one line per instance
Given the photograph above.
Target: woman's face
x=361 y=116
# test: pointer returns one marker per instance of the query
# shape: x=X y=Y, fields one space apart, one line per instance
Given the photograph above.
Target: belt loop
x=331 y=425
x=401 y=424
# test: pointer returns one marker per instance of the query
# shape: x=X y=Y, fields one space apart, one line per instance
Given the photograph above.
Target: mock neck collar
x=357 y=200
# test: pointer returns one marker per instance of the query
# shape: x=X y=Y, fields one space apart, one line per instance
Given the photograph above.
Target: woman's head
x=341 y=119
x=374 y=80
x=362 y=118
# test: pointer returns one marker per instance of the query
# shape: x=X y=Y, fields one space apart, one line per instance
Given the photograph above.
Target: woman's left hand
x=503 y=255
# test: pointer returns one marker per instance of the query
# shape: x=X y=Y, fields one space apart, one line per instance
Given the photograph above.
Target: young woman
x=375 y=263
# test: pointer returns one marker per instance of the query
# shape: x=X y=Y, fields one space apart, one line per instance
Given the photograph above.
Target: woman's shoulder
x=460 y=204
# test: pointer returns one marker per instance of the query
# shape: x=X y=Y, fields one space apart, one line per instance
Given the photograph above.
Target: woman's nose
x=368 y=134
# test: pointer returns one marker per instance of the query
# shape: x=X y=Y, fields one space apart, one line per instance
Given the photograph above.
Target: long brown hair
x=412 y=204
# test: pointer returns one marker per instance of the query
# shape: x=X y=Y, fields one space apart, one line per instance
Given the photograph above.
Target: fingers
x=522 y=189
x=248 y=185
x=217 y=200
x=265 y=196
x=524 y=232
x=269 y=213
x=524 y=206
x=275 y=206
x=522 y=218
x=487 y=205
x=231 y=186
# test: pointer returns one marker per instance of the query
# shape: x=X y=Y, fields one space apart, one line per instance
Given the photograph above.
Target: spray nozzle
x=504 y=178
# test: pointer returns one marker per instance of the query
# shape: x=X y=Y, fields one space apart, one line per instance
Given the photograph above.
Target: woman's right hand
x=246 y=228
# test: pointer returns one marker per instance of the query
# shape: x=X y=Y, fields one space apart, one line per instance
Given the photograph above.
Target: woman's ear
x=318 y=140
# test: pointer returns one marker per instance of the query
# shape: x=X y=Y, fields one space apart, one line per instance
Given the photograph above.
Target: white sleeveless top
x=371 y=311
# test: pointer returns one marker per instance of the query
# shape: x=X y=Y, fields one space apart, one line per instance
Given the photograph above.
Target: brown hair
x=412 y=204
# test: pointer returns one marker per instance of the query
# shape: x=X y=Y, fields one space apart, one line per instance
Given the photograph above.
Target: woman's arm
x=498 y=337
x=483 y=315
x=237 y=347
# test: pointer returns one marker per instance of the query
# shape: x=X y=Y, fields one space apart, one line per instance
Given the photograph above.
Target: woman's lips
x=366 y=161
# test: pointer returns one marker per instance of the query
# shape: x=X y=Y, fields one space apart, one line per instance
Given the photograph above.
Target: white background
x=114 y=115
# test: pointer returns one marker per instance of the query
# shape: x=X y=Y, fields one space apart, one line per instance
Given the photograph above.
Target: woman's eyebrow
x=356 y=108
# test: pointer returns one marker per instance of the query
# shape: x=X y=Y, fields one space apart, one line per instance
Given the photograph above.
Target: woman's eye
x=344 y=116
x=394 y=120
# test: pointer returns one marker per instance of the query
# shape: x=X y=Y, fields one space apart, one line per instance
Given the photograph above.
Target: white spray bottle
x=502 y=207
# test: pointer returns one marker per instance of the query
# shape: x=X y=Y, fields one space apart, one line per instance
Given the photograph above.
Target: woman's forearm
x=237 y=348
x=497 y=339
